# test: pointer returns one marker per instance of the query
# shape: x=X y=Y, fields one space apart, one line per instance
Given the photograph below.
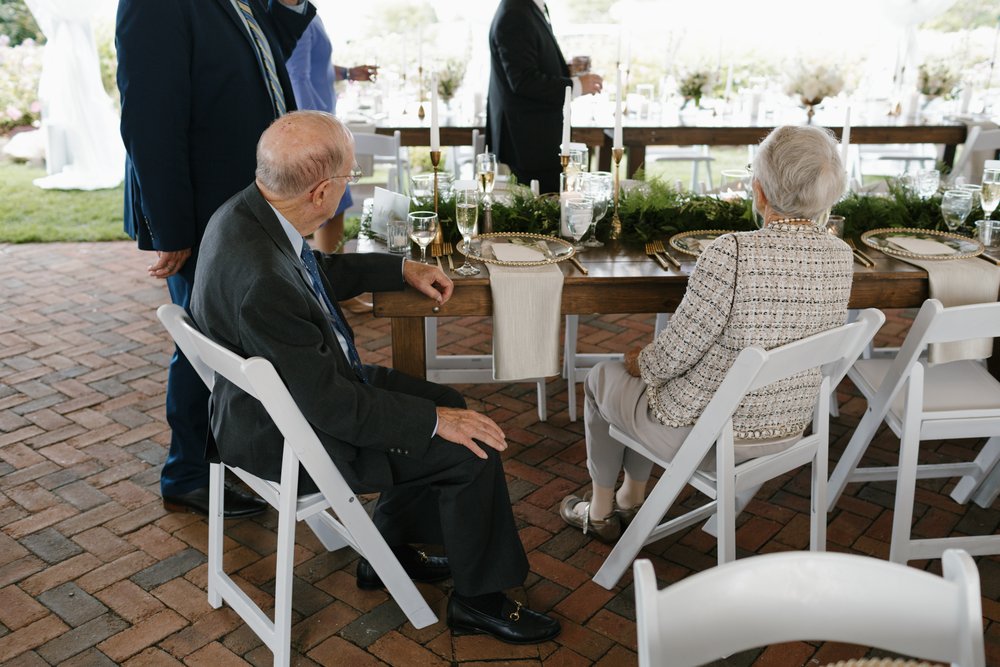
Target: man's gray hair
x=800 y=171
x=300 y=149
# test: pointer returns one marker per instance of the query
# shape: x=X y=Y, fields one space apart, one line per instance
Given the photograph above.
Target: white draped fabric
x=84 y=150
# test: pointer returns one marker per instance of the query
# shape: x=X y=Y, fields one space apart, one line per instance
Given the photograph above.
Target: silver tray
x=556 y=250
x=881 y=240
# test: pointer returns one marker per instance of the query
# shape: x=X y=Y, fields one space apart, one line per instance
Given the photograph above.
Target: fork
x=446 y=249
x=437 y=249
x=651 y=251
x=860 y=257
x=658 y=247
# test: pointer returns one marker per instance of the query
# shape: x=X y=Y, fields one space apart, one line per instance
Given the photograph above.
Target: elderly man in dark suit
x=528 y=79
x=261 y=291
x=199 y=80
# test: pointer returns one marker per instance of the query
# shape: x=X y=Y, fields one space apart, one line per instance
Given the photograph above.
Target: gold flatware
x=579 y=266
x=995 y=260
x=448 y=250
x=437 y=250
x=860 y=257
x=651 y=251
x=658 y=247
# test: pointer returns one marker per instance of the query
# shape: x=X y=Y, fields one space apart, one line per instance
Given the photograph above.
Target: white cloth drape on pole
x=84 y=150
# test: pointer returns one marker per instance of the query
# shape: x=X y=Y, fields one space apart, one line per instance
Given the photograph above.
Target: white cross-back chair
x=347 y=525
x=959 y=399
x=731 y=486
x=793 y=596
x=371 y=148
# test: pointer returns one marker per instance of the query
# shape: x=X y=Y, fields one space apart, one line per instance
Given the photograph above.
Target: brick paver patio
x=93 y=571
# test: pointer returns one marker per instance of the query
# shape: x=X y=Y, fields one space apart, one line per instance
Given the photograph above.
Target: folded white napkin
x=526 y=306
x=960 y=282
x=921 y=246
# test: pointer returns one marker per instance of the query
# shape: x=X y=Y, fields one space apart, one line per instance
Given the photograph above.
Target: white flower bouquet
x=20 y=69
x=812 y=83
x=937 y=80
x=696 y=84
x=449 y=78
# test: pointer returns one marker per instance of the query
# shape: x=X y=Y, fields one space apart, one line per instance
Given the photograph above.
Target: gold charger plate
x=689 y=243
x=555 y=249
x=881 y=240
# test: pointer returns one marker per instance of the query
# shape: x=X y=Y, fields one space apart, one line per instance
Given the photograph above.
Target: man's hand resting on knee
x=461 y=426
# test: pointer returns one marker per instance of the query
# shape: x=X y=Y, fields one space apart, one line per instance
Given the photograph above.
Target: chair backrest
x=367 y=144
x=793 y=596
x=833 y=351
x=257 y=377
x=977 y=141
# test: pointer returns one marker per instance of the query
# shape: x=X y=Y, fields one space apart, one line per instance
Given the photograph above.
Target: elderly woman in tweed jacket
x=784 y=282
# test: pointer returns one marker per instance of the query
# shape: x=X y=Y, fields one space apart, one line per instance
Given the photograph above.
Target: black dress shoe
x=418 y=565
x=515 y=625
x=236 y=505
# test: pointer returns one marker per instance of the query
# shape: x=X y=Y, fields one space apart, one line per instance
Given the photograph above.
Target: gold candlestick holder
x=435 y=161
x=420 y=92
x=564 y=161
x=616 y=223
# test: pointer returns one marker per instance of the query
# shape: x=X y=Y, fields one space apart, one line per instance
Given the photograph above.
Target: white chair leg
x=285 y=560
x=216 y=477
x=743 y=498
x=820 y=463
x=849 y=460
x=909 y=450
x=726 y=496
x=988 y=489
x=543 y=408
x=986 y=462
x=569 y=362
x=328 y=537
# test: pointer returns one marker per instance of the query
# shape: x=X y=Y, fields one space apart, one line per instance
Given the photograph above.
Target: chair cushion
x=956 y=386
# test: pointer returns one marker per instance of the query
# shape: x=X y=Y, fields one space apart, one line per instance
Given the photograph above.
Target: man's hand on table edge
x=428 y=279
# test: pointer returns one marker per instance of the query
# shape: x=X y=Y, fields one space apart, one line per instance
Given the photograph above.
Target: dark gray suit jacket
x=253 y=296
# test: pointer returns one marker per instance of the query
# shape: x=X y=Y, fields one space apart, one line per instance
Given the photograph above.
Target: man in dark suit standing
x=262 y=291
x=199 y=81
x=528 y=79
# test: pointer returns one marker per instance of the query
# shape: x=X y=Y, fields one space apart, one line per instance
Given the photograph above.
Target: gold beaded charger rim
x=686 y=242
x=558 y=249
x=964 y=246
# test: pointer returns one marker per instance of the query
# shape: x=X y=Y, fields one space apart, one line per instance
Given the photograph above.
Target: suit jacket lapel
x=230 y=11
x=547 y=27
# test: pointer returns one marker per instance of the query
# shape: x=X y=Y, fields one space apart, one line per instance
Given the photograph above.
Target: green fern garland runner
x=660 y=212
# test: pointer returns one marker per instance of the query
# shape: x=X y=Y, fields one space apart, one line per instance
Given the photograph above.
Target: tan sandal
x=608 y=529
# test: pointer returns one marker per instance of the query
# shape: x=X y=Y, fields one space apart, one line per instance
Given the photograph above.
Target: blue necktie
x=335 y=319
x=264 y=55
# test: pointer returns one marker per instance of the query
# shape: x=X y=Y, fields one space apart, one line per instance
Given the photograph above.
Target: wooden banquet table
x=620 y=280
x=706 y=130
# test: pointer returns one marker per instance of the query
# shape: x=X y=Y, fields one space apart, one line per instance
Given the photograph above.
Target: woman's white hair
x=800 y=171
x=300 y=149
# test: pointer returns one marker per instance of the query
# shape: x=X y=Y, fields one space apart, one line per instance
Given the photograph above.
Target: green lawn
x=29 y=214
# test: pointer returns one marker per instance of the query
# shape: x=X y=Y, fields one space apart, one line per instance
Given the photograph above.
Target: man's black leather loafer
x=418 y=565
x=515 y=625
x=237 y=505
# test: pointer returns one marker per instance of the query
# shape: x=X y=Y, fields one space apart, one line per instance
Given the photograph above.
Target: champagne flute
x=423 y=228
x=597 y=185
x=990 y=196
x=486 y=173
x=956 y=205
x=466 y=214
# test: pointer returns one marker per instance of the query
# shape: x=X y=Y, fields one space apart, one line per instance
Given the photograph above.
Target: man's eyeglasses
x=353 y=177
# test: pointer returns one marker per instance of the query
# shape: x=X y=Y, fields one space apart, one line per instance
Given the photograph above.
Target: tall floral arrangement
x=696 y=84
x=20 y=69
x=449 y=78
x=812 y=83
x=937 y=80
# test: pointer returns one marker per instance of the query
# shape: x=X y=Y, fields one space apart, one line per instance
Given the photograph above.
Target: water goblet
x=423 y=229
x=990 y=195
x=956 y=205
x=577 y=215
x=466 y=214
x=976 y=191
x=927 y=182
x=598 y=186
x=735 y=184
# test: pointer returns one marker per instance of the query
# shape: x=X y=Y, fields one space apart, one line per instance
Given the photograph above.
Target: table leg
x=949 y=155
x=408 y=346
x=636 y=158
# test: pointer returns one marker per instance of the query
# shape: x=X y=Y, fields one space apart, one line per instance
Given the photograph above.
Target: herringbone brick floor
x=94 y=572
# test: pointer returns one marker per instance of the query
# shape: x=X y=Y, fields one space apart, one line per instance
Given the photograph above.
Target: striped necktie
x=266 y=60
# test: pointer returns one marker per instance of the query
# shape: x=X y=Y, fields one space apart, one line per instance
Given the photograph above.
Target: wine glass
x=423 y=229
x=956 y=205
x=990 y=196
x=597 y=185
x=577 y=216
x=486 y=174
x=927 y=182
x=466 y=213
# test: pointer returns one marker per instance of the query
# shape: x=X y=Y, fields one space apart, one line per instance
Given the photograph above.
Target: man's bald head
x=299 y=150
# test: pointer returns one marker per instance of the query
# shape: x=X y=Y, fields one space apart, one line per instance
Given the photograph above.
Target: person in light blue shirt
x=313 y=76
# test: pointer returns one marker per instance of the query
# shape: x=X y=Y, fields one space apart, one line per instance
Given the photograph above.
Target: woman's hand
x=632 y=361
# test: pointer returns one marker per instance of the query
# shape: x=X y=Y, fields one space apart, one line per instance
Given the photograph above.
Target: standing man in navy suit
x=200 y=80
x=528 y=79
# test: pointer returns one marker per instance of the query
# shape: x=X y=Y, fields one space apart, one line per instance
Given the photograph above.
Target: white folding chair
x=370 y=148
x=731 y=486
x=349 y=525
x=979 y=141
x=576 y=365
x=697 y=155
x=793 y=596
x=959 y=399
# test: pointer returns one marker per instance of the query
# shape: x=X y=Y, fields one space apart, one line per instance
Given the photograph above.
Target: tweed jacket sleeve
x=700 y=318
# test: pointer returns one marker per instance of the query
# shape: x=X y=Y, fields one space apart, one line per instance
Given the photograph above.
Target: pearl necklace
x=792 y=225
